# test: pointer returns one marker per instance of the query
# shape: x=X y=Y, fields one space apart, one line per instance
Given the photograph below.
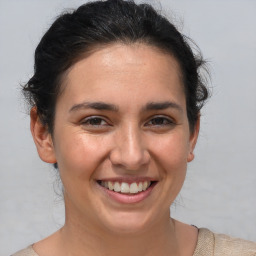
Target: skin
x=129 y=141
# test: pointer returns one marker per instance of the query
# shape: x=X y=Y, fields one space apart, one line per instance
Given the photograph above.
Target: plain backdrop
x=219 y=192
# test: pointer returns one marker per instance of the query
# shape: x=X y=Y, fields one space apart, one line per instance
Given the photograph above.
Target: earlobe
x=193 y=140
x=42 y=138
x=191 y=156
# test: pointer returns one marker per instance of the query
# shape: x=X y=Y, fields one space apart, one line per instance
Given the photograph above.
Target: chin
x=128 y=223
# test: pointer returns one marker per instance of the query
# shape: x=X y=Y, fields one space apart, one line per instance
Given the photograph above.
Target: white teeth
x=145 y=185
x=140 y=187
x=134 y=188
x=124 y=187
x=110 y=185
x=117 y=187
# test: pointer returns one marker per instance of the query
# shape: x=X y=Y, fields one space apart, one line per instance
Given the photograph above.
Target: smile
x=126 y=188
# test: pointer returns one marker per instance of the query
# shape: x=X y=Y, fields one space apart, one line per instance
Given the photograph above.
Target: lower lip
x=128 y=198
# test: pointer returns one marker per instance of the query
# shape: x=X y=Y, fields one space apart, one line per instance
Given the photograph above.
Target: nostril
x=130 y=160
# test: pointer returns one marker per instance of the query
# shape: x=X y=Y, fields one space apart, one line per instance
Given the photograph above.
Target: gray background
x=220 y=190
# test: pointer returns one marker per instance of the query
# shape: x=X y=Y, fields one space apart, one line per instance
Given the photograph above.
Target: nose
x=129 y=151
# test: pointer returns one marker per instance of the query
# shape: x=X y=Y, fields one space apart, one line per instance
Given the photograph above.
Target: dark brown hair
x=101 y=23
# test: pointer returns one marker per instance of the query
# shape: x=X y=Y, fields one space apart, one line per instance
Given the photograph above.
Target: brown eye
x=94 y=121
x=160 y=121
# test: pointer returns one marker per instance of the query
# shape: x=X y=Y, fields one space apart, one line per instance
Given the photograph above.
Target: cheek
x=78 y=154
x=173 y=163
x=171 y=151
x=170 y=156
x=79 y=157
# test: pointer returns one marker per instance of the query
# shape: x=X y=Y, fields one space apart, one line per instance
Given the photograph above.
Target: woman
x=116 y=98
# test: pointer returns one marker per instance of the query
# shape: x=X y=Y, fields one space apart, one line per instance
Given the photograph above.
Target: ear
x=193 y=140
x=42 y=138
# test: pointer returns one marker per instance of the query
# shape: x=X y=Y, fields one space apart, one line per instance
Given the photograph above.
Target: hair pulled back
x=99 y=23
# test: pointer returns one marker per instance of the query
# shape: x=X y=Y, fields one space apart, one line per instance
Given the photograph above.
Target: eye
x=160 y=121
x=94 y=121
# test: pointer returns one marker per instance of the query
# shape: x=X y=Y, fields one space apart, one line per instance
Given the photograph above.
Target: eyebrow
x=94 y=105
x=162 y=106
x=111 y=107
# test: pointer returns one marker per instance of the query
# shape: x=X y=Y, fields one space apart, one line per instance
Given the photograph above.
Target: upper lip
x=128 y=180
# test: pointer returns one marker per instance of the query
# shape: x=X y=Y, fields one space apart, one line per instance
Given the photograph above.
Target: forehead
x=120 y=56
x=137 y=68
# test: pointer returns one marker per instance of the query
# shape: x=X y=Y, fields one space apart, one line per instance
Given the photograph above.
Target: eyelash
x=96 y=119
x=87 y=121
x=165 y=121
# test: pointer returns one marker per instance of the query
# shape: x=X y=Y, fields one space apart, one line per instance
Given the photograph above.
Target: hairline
x=62 y=80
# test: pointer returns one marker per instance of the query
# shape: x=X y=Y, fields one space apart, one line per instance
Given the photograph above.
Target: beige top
x=208 y=244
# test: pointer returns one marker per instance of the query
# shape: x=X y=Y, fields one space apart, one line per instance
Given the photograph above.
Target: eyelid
x=170 y=120
x=86 y=119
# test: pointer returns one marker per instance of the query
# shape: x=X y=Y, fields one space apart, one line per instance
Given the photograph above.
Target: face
x=121 y=124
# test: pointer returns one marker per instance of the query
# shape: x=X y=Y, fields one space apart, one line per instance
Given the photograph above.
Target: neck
x=159 y=239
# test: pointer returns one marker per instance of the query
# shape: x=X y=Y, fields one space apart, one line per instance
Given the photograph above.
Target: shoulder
x=26 y=252
x=210 y=243
x=233 y=246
